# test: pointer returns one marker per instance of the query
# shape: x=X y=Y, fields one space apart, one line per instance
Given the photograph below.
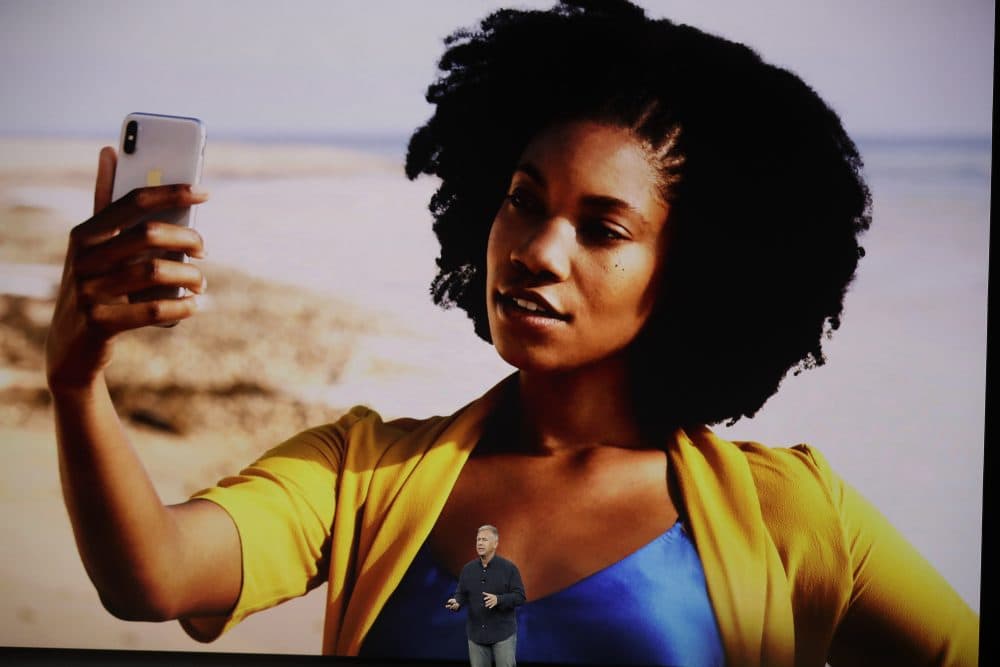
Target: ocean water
x=386 y=144
x=962 y=160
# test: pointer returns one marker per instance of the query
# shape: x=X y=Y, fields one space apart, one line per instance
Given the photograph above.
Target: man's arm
x=461 y=595
x=514 y=596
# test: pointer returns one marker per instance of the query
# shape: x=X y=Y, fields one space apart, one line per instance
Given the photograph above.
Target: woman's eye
x=523 y=201
x=602 y=231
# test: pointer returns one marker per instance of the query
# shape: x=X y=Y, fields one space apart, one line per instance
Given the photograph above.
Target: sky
x=308 y=68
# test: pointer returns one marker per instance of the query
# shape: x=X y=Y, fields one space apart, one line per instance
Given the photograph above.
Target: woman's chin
x=532 y=361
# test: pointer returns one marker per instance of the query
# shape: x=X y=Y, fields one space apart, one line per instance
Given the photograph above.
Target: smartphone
x=157 y=149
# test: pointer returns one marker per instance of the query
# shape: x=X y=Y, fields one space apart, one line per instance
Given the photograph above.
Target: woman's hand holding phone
x=148 y=561
x=117 y=252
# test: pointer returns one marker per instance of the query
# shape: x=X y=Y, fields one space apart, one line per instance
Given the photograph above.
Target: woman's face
x=575 y=250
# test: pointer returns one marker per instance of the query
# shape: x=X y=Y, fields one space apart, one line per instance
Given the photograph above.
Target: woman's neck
x=583 y=408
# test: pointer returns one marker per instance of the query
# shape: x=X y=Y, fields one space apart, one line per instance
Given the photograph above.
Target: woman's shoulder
x=790 y=476
x=800 y=495
x=801 y=503
x=783 y=465
x=363 y=426
x=774 y=468
x=798 y=498
x=795 y=485
x=364 y=430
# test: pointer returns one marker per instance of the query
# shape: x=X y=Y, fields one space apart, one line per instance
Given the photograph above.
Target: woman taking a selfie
x=654 y=227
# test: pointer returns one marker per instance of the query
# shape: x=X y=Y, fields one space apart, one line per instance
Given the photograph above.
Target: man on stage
x=490 y=587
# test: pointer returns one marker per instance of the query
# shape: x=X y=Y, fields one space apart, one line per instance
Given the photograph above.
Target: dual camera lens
x=131 y=134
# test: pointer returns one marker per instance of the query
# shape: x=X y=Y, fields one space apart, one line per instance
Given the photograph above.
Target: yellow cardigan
x=790 y=552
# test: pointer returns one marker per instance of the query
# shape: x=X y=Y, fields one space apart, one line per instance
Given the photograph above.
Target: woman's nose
x=545 y=249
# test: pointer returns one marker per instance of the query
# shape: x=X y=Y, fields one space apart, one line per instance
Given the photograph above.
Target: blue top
x=650 y=608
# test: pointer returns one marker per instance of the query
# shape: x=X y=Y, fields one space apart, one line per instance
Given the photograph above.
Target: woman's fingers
x=105 y=184
x=139 y=276
x=107 y=261
x=113 y=318
x=133 y=207
x=135 y=242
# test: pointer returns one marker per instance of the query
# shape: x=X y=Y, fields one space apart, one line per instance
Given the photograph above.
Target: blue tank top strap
x=650 y=608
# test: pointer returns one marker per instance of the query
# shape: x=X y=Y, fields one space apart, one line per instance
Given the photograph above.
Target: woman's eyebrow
x=611 y=203
x=531 y=171
x=604 y=202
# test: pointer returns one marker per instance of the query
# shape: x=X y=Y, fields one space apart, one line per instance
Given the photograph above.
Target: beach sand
x=318 y=265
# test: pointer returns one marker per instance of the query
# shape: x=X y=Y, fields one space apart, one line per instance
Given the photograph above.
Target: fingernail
x=199 y=191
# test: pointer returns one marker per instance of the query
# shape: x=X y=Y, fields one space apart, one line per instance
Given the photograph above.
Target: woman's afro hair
x=766 y=195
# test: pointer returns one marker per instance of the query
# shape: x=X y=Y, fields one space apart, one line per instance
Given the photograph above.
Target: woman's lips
x=530 y=303
x=528 y=312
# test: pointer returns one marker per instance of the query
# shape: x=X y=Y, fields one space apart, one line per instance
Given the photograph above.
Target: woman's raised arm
x=148 y=561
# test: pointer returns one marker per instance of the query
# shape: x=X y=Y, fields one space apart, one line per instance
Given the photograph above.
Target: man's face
x=486 y=543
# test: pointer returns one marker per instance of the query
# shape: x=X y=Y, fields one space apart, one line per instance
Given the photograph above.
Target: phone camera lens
x=131 y=134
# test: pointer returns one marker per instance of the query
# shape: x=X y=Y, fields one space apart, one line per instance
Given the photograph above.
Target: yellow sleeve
x=283 y=507
x=901 y=611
